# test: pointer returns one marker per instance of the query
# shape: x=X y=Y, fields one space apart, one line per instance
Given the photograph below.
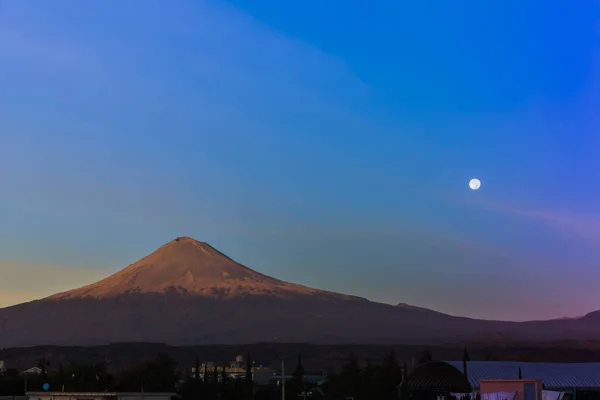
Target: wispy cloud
x=583 y=226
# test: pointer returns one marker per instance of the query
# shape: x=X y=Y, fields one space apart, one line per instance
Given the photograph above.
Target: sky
x=325 y=143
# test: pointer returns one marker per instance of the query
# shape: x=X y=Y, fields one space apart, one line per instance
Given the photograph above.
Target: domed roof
x=438 y=375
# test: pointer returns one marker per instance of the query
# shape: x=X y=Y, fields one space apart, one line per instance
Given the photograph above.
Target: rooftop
x=553 y=375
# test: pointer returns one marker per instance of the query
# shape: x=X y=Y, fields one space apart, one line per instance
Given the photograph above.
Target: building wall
x=512 y=385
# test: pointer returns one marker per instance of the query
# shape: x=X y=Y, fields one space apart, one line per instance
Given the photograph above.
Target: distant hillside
x=187 y=292
x=120 y=356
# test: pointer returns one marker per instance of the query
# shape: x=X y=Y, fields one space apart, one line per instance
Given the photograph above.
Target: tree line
x=370 y=381
x=157 y=375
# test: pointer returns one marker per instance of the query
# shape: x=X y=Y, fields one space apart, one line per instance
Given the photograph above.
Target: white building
x=33 y=371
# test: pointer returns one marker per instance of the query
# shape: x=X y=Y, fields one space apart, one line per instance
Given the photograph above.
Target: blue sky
x=325 y=143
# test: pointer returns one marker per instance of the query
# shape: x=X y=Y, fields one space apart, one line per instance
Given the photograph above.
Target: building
x=33 y=371
x=234 y=369
x=562 y=377
x=99 y=396
x=521 y=379
x=526 y=389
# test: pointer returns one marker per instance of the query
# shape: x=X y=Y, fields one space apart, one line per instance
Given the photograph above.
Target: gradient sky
x=325 y=143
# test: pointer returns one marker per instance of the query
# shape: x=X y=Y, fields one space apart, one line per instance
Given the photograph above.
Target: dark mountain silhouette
x=120 y=356
x=187 y=292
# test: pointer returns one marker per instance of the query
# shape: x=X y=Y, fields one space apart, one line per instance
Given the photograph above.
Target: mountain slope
x=189 y=267
x=187 y=292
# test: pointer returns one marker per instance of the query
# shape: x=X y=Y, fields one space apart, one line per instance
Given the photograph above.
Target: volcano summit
x=187 y=292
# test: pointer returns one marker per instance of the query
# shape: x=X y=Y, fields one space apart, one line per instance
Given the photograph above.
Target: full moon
x=474 y=184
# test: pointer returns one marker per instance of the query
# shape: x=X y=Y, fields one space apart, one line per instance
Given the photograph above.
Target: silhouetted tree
x=371 y=382
x=390 y=376
x=299 y=372
x=192 y=388
x=380 y=381
x=404 y=393
x=61 y=377
x=248 y=380
x=158 y=375
x=84 y=377
x=297 y=384
x=348 y=382
x=12 y=383
x=426 y=357
x=224 y=379
x=43 y=364
x=227 y=391
x=215 y=377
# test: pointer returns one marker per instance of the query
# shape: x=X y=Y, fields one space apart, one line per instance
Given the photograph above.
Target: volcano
x=190 y=268
x=188 y=293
